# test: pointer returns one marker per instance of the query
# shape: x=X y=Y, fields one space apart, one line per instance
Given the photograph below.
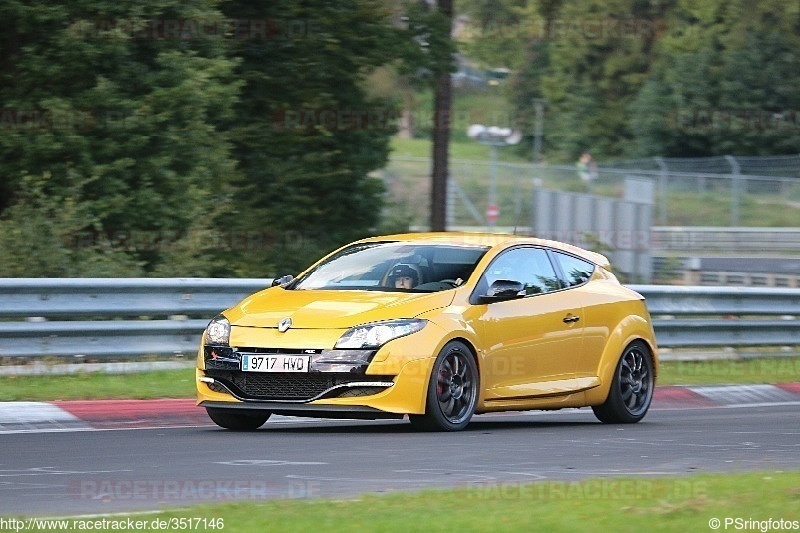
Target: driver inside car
x=403 y=277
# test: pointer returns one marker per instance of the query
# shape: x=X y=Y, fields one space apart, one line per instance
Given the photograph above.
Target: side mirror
x=282 y=280
x=503 y=290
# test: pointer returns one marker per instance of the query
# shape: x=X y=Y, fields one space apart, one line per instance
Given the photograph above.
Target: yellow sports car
x=436 y=326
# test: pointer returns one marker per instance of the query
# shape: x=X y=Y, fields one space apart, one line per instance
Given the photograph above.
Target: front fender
x=410 y=358
x=443 y=326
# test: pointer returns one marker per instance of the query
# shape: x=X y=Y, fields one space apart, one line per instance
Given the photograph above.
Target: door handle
x=571 y=318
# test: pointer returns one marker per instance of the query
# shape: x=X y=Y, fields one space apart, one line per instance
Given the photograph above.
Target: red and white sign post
x=492 y=214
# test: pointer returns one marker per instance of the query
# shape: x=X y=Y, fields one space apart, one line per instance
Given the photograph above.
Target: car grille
x=326 y=361
x=216 y=387
x=277 y=386
x=357 y=392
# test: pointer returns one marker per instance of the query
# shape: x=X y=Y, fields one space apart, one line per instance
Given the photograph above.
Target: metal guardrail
x=684 y=333
x=135 y=318
x=695 y=240
x=705 y=300
x=771 y=315
x=121 y=297
x=112 y=318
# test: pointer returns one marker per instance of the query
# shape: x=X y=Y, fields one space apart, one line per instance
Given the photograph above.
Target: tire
x=631 y=389
x=452 y=391
x=237 y=421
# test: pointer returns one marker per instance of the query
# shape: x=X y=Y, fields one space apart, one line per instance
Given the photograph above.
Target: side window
x=576 y=270
x=530 y=266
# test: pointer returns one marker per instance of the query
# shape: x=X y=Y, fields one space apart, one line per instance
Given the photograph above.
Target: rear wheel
x=631 y=389
x=452 y=390
x=236 y=420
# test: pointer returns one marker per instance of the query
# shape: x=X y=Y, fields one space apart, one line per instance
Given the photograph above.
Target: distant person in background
x=587 y=170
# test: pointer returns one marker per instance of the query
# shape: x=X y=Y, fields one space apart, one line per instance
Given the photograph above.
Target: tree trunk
x=441 y=137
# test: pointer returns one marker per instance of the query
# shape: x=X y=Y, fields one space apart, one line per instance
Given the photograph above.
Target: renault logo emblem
x=284 y=324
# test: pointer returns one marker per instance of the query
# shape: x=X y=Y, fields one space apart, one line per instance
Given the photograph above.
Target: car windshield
x=394 y=266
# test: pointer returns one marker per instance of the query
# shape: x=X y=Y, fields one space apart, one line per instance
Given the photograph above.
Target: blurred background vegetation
x=203 y=152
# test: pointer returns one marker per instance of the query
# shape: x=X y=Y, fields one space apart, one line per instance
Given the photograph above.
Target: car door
x=599 y=307
x=531 y=343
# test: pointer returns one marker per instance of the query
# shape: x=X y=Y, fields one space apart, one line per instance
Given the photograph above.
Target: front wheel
x=631 y=389
x=452 y=390
x=237 y=421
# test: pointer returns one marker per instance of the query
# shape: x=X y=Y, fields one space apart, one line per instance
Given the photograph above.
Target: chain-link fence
x=718 y=191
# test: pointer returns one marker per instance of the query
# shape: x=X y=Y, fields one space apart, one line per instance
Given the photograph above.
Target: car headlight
x=218 y=331
x=378 y=333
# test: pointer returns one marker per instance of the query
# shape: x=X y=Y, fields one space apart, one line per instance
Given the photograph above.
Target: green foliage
x=685 y=79
x=45 y=236
x=124 y=153
x=175 y=147
x=424 y=45
x=309 y=132
x=580 y=58
x=487 y=31
x=137 y=121
x=486 y=105
x=724 y=85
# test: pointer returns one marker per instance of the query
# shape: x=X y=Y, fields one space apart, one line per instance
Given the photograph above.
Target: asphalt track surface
x=66 y=473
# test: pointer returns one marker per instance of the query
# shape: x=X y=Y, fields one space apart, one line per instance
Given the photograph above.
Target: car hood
x=317 y=309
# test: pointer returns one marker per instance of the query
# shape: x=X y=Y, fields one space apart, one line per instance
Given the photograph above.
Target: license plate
x=276 y=363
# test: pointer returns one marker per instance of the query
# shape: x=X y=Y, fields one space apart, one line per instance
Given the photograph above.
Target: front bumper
x=392 y=383
x=318 y=411
x=332 y=373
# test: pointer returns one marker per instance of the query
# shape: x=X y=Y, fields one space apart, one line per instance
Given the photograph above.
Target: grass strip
x=180 y=383
x=756 y=370
x=705 y=502
x=99 y=385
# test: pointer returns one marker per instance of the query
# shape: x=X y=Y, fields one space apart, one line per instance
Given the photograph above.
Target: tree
x=307 y=133
x=587 y=60
x=45 y=236
x=723 y=83
x=197 y=142
x=441 y=130
x=495 y=33
x=597 y=60
x=120 y=110
x=631 y=79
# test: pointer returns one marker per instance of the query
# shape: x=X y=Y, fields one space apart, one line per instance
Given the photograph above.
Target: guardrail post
x=663 y=186
x=735 y=180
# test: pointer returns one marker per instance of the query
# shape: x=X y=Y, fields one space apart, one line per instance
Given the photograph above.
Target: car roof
x=492 y=240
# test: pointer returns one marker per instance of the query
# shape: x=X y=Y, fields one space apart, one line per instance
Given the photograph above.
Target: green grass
x=180 y=383
x=514 y=186
x=464 y=150
x=422 y=148
x=781 y=369
x=97 y=385
x=616 y=504
x=685 y=207
x=488 y=107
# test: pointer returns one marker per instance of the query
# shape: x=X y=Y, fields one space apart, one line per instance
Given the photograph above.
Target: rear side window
x=577 y=271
